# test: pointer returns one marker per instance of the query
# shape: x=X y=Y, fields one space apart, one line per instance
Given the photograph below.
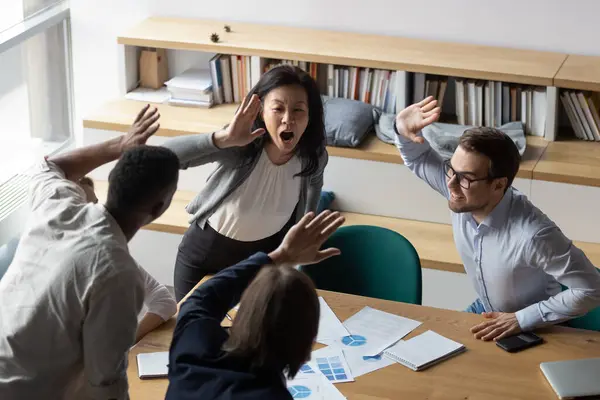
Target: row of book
x=492 y=104
x=582 y=109
x=381 y=88
x=233 y=76
x=487 y=103
x=476 y=102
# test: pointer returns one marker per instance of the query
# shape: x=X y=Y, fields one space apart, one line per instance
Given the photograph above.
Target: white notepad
x=423 y=351
x=153 y=365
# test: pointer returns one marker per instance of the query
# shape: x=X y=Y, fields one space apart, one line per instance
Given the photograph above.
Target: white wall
x=556 y=25
x=94 y=28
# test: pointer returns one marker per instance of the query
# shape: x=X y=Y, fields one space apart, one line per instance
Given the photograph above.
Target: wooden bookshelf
x=561 y=163
x=175 y=121
x=346 y=48
x=434 y=242
x=579 y=72
x=570 y=161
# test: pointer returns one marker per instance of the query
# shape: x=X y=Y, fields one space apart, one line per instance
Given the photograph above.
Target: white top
x=262 y=204
x=69 y=301
x=157 y=298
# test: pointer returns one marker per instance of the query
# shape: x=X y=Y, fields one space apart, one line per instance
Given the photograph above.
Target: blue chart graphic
x=354 y=340
x=299 y=391
x=306 y=369
x=332 y=368
x=372 y=358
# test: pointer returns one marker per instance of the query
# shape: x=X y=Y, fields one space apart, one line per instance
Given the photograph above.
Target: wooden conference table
x=483 y=372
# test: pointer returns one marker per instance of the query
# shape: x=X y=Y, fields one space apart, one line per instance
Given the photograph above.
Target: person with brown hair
x=515 y=256
x=274 y=329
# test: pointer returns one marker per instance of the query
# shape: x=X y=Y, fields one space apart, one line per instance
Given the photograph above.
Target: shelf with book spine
x=517 y=86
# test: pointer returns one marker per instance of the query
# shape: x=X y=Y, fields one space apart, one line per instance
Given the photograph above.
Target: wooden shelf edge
x=345 y=61
x=425 y=262
x=372 y=149
x=175 y=221
x=410 y=54
x=568 y=179
x=571 y=84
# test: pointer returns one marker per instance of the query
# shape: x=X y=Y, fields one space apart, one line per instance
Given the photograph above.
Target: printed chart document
x=424 y=350
x=376 y=330
x=361 y=364
x=330 y=327
x=330 y=361
x=310 y=384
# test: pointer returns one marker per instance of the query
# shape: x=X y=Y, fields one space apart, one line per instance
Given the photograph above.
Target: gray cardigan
x=199 y=149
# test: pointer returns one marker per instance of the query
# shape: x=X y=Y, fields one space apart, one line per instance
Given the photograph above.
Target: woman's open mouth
x=287 y=136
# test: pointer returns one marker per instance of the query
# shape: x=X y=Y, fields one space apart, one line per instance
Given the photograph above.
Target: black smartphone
x=519 y=342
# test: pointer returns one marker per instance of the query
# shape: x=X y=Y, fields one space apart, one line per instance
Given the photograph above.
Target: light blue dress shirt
x=517 y=258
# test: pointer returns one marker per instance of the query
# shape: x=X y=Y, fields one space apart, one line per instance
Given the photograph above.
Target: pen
x=228 y=317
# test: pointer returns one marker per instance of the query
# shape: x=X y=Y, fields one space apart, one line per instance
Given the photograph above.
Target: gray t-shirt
x=69 y=301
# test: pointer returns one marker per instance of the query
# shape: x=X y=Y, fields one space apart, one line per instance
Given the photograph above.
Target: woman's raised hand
x=239 y=132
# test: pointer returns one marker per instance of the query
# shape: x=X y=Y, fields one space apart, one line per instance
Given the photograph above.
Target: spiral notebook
x=423 y=351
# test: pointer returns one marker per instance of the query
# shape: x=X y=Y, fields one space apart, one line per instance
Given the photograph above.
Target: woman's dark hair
x=312 y=144
x=277 y=322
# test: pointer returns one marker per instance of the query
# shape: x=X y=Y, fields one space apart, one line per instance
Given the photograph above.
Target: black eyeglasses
x=462 y=180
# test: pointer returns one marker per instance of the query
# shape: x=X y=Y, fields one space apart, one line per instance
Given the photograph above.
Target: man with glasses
x=515 y=256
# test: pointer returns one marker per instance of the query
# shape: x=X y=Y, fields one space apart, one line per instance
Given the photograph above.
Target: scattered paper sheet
x=330 y=327
x=361 y=364
x=330 y=361
x=376 y=330
x=310 y=384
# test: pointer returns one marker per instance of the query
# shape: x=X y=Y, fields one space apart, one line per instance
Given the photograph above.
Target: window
x=35 y=89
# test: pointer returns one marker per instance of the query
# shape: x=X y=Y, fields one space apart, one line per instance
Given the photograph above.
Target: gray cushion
x=443 y=137
x=348 y=122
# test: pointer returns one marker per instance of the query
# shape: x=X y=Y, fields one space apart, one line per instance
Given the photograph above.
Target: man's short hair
x=498 y=147
x=141 y=176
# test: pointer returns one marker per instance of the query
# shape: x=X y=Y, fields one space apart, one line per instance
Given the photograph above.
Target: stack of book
x=425 y=85
x=233 y=76
x=381 y=88
x=492 y=104
x=582 y=110
x=192 y=88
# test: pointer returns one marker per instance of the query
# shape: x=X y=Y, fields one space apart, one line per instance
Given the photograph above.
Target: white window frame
x=13 y=193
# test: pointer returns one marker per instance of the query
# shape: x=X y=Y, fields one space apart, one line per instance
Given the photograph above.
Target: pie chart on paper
x=354 y=340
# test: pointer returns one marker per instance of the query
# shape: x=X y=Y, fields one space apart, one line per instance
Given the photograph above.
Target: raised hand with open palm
x=239 y=132
x=302 y=244
x=415 y=117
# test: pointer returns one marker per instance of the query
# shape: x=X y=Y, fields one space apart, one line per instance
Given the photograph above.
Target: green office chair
x=375 y=262
x=590 y=321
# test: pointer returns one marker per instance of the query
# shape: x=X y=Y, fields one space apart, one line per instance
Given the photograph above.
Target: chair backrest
x=590 y=321
x=375 y=262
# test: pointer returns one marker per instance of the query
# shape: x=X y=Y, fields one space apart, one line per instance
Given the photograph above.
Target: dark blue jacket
x=198 y=368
